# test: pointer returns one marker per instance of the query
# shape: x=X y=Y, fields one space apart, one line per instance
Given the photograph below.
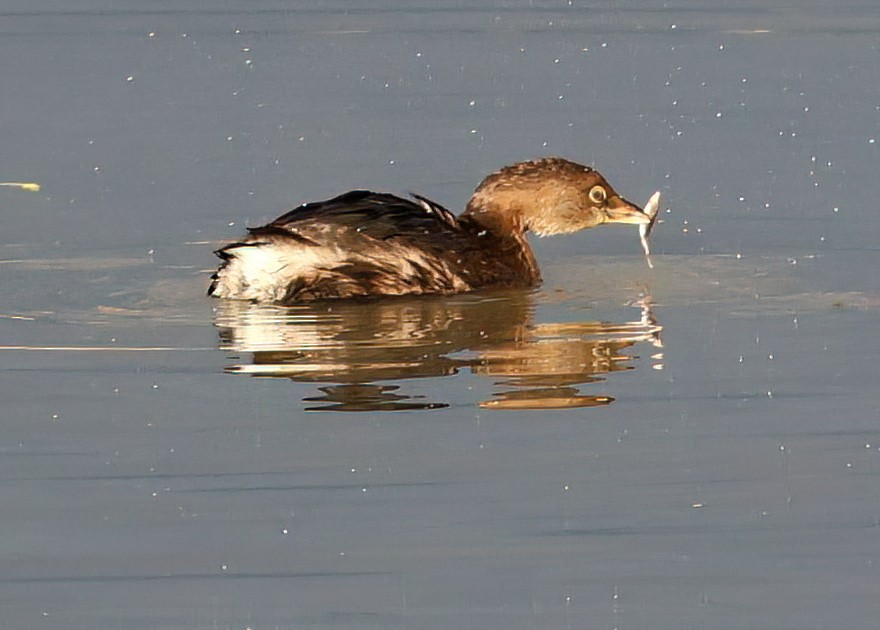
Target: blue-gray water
x=693 y=446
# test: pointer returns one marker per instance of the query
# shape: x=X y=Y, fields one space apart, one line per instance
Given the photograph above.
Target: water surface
x=695 y=445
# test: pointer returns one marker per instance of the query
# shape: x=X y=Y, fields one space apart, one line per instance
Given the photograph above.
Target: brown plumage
x=364 y=243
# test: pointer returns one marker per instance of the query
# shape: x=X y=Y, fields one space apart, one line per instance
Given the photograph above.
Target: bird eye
x=598 y=194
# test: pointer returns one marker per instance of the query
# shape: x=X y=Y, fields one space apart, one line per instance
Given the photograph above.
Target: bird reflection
x=362 y=352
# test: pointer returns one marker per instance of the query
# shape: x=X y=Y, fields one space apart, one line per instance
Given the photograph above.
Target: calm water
x=693 y=446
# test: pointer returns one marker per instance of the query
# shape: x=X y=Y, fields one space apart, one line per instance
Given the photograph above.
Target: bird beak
x=619 y=210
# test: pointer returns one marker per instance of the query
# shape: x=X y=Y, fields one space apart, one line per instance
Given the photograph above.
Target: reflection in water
x=353 y=345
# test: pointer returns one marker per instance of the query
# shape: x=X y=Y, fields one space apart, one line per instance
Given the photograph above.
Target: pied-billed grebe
x=364 y=243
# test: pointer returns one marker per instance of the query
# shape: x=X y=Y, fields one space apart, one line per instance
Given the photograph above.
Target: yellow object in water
x=29 y=186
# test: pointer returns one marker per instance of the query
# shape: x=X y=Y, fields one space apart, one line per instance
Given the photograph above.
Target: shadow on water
x=363 y=350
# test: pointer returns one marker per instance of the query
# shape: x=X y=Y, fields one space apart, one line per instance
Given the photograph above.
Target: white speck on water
x=155 y=386
x=738 y=255
x=129 y=79
x=672 y=27
x=717 y=114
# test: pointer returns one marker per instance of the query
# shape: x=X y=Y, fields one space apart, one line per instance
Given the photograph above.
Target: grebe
x=364 y=243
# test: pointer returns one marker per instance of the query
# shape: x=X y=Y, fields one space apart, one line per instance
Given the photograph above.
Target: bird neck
x=503 y=224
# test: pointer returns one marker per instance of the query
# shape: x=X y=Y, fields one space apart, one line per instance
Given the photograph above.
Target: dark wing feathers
x=273 y=230
x=378 y=215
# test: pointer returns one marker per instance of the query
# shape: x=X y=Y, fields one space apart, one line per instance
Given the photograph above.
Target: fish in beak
x=619 y=210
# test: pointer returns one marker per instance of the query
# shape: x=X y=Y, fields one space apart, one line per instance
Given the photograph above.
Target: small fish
x=650 y=209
